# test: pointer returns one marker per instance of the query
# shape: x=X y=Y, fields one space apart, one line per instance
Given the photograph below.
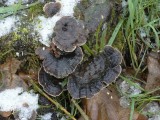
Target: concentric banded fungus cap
x=51 y=8
x=69 y=33
x=62 y=66
x=42 y=52
x=89 y=80
x=49 y=83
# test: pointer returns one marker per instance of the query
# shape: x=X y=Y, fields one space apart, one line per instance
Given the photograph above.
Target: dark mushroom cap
x=62 y=66
x=51 y=8
x=42 y=52
x=69 y=33
x=96 y=14
x=49 y=83
x=89 y=80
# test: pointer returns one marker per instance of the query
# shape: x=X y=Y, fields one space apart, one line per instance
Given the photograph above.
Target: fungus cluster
x=64 y=56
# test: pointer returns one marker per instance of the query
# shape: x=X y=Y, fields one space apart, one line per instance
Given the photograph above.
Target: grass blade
x=85 y=47
x=102 y=39
x=132 y=109
x=132 y=83
x=114 y=34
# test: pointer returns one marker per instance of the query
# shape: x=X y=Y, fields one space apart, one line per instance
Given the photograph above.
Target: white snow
x=156 y=117
x=124 y=3
x=152 y=108
x=67 y=7
x=8 y=25
x=44 y=26
x=11 y=2
x=16 y=100
x=124 y=102
x=126 y=88
x=46 y=116
x=142 y=33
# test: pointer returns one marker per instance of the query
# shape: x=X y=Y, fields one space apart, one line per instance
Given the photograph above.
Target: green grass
x=139 y=101
x=15 y=8
x=115 y=32
x=137 y=19
x=132 y=109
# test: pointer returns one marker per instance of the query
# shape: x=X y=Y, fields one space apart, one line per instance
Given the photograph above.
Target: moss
x=35 y=11
x=120 y=42
x=96 y=40
x=25 y=45
x=114 y=19
x=20 y=44
x=80 y=9
x=24 y=42
x=5 y=49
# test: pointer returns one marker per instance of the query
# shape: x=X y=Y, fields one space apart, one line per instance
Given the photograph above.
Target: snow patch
x=8 y=25
x=152 y=109
x=128 y=89
x=124 y=102
x=67 y=7
x=16 y=100
x=44 y=26
x=46 y=116
x=124 y=3
x=11 y=2
x=156 y=117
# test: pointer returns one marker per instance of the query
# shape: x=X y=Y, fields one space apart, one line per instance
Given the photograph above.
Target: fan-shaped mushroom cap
x=42 y=52
x=62 y=66
x=89 y=80
x=49 y=83
x=51 y=8
x=69 y=33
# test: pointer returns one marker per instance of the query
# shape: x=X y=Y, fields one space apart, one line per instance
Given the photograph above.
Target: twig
x=80 y=110
x=52 y=100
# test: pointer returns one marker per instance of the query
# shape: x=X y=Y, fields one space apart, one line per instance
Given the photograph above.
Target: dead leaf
x=153 y=79
x=8 y=77
x=32 y=74
x=105 y=106
x=5 y=114
x=102 y=107
x=11 y=65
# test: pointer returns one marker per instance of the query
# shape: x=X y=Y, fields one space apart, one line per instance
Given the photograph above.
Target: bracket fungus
x=69 y=33
x=51 y=8
x=49 y=83
x=63 y=65
x=89 y=80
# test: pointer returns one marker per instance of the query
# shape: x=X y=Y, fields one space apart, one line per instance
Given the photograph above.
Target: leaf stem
x=80 y=110
x=52 y=100
x=132 y=109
